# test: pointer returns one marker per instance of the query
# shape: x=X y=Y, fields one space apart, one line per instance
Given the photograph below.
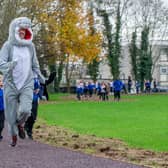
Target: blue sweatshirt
x=117 y=85
x=1 y=100
x=36 y=86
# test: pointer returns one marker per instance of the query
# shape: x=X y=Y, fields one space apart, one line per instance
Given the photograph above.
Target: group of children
x=85 y=90
x=102 y=89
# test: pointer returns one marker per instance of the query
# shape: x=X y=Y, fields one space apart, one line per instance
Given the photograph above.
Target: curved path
x=31 y=154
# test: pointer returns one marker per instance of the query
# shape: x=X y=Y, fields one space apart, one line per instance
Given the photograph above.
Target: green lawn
x=140 y=121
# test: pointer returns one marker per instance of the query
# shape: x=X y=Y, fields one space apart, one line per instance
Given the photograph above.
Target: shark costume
x=18 y=63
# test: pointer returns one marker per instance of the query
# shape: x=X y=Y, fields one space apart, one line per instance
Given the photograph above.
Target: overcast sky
x=166 y=2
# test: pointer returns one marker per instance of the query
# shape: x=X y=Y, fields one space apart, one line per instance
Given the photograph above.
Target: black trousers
x=78 y=96
x=2 y=119
x=31 y=120
x=117 y=95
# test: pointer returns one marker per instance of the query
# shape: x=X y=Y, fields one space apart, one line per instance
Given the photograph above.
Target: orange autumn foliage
x=66 y=24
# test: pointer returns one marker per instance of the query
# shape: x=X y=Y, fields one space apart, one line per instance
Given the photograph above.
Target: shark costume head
x=20 y=25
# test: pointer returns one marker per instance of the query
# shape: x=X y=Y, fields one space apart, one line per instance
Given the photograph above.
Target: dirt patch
x=102 y=147
x=94 y=98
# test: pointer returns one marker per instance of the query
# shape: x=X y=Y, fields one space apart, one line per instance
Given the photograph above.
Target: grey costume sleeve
x=5 y=65
x=36 y=67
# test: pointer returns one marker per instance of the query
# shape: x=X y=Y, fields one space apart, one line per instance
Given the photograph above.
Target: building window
x=163 y=58
x=164 y=70
x=163 y=78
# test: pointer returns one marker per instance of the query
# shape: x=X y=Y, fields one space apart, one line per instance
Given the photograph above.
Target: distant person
x=91 y=87
x=79 y=90
x=2 y=115
x=103 y=91
x=129 y=84
x=155 y=86
x=117 y=86
x=137 y=86
x=124 y=87
x=147 y=86
x=111 y=87
x=99 y=90
x=44 y=90
x=85 y=89
x=107 y=90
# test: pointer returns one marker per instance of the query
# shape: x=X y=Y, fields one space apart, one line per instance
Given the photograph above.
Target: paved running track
x=31 y=154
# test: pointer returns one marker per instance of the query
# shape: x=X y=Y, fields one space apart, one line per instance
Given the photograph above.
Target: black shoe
x=14 y=141
x=30 y=137
x=1 y=137
x=21 y=132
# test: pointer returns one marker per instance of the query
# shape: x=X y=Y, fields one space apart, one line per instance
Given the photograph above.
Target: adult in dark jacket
x=47 y=82
x=117 y=85
x=129 y=84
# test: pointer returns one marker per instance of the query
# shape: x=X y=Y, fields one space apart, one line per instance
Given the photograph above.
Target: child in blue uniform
x=79 y=90
x=2 y=116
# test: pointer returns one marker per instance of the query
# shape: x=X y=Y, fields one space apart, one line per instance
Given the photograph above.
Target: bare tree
x=6 y=16
x=114 y=13
x=153 y=14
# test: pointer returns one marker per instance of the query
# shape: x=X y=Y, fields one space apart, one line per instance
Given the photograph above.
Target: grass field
x=140 y=121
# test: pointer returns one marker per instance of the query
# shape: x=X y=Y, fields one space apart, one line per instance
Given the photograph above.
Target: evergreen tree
x=145 y=63
x=117 y=46
x=108 y=34
x=93 y=69
x=114 y=47
x=134 y=55
x=93 y=66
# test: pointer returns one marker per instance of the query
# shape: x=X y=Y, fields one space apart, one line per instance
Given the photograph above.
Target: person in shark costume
x=19 y=64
